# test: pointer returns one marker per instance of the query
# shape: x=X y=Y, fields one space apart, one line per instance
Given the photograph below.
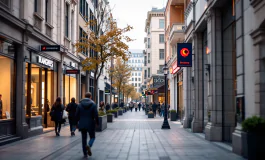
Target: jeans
x=92 y=136
x=57 y=127
x=131 y=109
x=162 y=113
x=72 y=125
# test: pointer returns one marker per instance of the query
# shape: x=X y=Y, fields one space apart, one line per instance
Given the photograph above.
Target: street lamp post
x=165 y=124
x=105 y=80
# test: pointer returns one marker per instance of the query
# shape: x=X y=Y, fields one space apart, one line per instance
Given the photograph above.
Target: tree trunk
x=95 y=93
x=119 y=90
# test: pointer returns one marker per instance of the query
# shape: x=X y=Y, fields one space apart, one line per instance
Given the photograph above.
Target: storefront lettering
x=45 y=61
x=175 y=68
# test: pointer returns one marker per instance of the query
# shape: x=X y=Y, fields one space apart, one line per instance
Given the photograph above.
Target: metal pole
x=165 y=124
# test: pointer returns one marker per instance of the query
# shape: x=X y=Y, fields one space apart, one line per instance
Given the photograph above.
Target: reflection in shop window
x=6 y=88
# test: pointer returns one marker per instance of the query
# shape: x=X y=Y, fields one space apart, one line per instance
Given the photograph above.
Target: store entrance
x=41 y=91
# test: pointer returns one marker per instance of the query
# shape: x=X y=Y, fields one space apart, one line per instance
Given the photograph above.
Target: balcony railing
x=200 y=7
x=177 y=28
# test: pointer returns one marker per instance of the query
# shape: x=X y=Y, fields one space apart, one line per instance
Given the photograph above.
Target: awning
x=107 y=88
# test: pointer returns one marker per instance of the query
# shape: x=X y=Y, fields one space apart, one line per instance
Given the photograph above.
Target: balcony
x=176 y=33
x=176 y=2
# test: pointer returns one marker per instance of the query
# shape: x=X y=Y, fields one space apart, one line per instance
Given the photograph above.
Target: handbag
x=65 y=116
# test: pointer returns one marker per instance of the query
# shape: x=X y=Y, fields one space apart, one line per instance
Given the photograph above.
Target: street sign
x=184 y=55
x=50 y=48
x=74 y=71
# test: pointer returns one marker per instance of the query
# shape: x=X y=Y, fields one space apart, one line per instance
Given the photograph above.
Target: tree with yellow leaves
x=104 y=41
x=128 y=89
x=121 y=73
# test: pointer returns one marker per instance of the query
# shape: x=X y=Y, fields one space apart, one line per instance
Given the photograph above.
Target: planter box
x=102 y=123
x=150 y=115
x=120 y=112
x=255 y=145
x=115 y=114
x=123 y=110
x=110 y=117
x=173 y=116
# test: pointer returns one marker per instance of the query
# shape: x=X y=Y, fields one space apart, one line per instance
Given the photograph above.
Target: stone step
x=6 y=139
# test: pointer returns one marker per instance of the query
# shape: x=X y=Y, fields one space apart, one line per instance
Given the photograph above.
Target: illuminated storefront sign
x=184 y=58
x=175 y=68
x=45 y=61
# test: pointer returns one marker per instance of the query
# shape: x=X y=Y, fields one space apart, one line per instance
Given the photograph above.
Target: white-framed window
x=161 y=38
x=161 y=54
x=161 y=23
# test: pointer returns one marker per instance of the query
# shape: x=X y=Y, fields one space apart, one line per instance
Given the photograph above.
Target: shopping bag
x=65 y=116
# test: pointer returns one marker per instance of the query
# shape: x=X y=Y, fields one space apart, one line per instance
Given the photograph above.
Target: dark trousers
x=72 y=125
x=154 y=112
x=57 y=127
x=131 y=108
x=139 y=108
x=135 y=109
x=92 y=136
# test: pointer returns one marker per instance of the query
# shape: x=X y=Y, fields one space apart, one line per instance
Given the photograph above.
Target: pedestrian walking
x=162 y=109
x=101 y=106
x=57 y=115
x=135 y=106
x=87 y=116
x=139 y=106
x=154 y=107
x=122 y=104
x=131 y=106
x=71 y=109
x=107 y=107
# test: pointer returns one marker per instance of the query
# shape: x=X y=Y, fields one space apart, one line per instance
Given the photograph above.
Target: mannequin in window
x=1 y=106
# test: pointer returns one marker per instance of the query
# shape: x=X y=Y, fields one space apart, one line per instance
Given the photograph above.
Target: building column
x=60 y=78
x=187 y=80
x=197 y=125
x=21 y=125
x=213 y=129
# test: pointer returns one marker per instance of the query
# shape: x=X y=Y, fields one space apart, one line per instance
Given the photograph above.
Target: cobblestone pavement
x=130 y=137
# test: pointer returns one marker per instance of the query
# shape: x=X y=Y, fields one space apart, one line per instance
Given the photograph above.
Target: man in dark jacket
x=154 y=107
x=71 y=109
x=87 y=116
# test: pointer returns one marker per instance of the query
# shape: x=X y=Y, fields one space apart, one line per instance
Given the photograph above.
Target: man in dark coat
x=87 y=116
x=71 y=109
x=154 y=107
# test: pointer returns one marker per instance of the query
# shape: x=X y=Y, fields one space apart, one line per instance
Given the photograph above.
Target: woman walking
x=71 y=109
x=57 y=115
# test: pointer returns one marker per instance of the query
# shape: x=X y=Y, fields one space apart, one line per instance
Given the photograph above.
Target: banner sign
x=72 y=71
x=184 y=58
x=107 y=91
x=50 y=48
x=175 y=68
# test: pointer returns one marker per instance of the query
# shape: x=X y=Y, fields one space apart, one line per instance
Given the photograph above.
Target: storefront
x=180 y=108
x=7 y=88
x=41 y=90
x=70 y=83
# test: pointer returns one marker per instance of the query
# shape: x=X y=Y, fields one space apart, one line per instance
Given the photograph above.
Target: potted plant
x=255 y=129
x=150 y=114
x=120 y=111
x=115 y=112
x=173 y=115
x=102 y=119
x=110 y=116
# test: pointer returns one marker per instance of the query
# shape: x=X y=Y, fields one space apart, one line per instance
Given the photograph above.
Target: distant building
x=136 y=62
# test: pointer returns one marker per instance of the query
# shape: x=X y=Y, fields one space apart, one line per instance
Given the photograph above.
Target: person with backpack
x=87 y=118
x=71 y=109
x=57 y=115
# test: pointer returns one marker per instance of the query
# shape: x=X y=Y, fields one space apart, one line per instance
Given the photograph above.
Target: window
x=149 y=57
x=86 y=12
x=132 y=74
x=132 y=61
x=139 y=74
x=161 y=23
x=148 y=30
x=6 y=87
x=132 y=79
x=148 y=43
x=161 y=68
x=66 y=19
x=148 y=72
x=139 y=61
x=161 y=38
x=35 y=5
x=161 y=54
x=129 y=61
x=82 y=36
x=139 y=84
x=145 y=74
x=145 y=60
x=139 y=79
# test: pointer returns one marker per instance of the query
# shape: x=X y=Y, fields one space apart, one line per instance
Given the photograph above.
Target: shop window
x=70 y=88
x=6 y=88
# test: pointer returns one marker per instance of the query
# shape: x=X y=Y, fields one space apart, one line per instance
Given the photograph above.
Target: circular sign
x=184 y=52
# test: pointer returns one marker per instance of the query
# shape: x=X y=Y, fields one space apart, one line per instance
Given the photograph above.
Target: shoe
x=73 y=133
x=85 y=155
x=88 y=151
x=58 y=134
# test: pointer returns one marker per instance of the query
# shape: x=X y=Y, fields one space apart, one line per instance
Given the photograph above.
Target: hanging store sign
x=73 y=71
x=184 y=58
x=107 y=91
x=175 y=68
x=50 y=48
x=45 y=61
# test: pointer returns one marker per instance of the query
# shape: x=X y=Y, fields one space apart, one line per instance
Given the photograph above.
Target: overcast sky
x=134 y=13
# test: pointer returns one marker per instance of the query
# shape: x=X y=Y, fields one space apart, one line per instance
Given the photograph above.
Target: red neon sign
x=175 y=68
x=184 y=52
